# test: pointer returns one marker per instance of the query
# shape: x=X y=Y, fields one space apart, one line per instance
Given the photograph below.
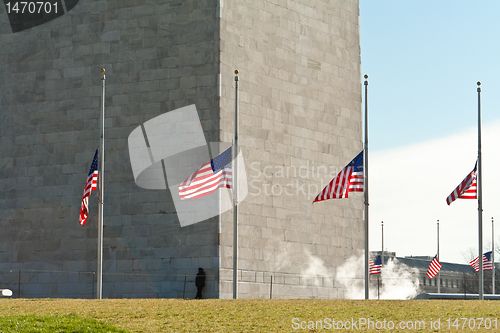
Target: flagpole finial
x=366 y=76
x=236 y=72
x=478 y=83
x=103 y=70
x=366 y=80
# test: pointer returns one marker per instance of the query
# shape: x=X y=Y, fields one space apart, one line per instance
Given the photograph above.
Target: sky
x=424 y=59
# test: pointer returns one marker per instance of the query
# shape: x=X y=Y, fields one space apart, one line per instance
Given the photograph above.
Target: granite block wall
x=159 y=56
x=300 y=124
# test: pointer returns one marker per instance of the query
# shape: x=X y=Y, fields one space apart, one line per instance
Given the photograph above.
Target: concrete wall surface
x=159 y=56
x=300 y=122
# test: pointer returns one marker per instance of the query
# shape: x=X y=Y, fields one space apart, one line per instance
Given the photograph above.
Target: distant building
x=453 y=278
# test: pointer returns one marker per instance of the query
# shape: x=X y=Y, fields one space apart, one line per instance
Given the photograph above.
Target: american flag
x=434 y=268
x=375 y=267
x=90 y=185
x=348 y=180
x=208 y=177
x=467 y=188
x=487 y=263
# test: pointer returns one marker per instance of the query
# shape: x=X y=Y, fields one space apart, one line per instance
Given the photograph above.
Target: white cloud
x=408 y=189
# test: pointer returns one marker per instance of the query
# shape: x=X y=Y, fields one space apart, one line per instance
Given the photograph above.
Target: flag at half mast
x=350 y=179
x=434 y=268
x=487 y=264
x=208 y=178
x=467 y=189
x=375 y=266
x=90 y=185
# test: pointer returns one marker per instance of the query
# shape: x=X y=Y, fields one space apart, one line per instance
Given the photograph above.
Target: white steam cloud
x=397 y=281
x=316 y=271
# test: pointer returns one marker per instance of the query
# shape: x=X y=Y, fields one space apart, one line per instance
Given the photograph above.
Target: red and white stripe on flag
x=434 y=268
x=375 y=269
x=208 y=177
x=375 y=266
x=467 y=189
x=475 y=264
x=90 y=185
x=350 y=179
x=487 y=264
x=204 y=181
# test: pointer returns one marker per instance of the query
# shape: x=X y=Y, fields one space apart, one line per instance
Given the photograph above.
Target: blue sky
x=423 y=59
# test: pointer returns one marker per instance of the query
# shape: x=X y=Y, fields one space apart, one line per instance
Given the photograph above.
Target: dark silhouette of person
x=200 y=282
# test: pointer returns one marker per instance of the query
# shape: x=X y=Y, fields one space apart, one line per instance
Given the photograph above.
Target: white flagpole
x=235 y=192
x=101 y=195
x=382 y=243
x=493 y=256
x=479 y=192
x=439 y=272
x=365 y=189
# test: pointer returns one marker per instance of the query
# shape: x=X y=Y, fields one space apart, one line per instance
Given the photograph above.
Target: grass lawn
x=169 y=315
x=54 y=323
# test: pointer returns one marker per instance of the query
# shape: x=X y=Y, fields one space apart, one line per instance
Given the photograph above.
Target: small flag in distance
x=487 y=264
x=434 y=268
x=375 y=266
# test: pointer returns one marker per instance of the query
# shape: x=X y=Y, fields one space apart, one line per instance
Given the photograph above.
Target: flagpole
x=378 y=287
x=493 y=256
x=382 y=243
x=439 y=272
x=235 y=191
x=101 y=195
x=479 y=192
x=365 y=189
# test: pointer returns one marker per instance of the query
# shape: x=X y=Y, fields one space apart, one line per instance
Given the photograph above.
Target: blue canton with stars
x=222 y=161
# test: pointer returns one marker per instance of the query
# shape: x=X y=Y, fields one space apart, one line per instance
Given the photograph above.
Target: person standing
x=200 y=282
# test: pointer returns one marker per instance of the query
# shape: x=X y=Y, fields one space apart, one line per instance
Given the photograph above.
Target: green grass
x=54 y=324
x=168 y=315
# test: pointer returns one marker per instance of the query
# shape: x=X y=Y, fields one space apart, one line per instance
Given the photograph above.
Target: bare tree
x=469 y=254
